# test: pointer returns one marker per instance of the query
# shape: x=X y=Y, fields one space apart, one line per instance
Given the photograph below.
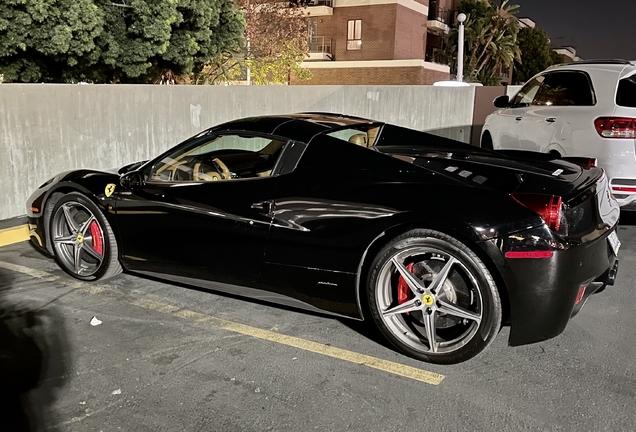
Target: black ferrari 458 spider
x=437 y=242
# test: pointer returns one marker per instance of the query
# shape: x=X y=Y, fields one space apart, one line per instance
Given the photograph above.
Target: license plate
x=614 y=242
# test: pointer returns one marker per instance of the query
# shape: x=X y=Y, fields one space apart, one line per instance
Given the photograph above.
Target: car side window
x=527 y=93
x=626 y=93
x=220 y=157
x=566 y=89
x=363 y=136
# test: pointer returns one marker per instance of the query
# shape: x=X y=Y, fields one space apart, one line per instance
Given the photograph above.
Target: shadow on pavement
x=369 y=330
x=365 y=328
x=628 y=218
x=33 y=362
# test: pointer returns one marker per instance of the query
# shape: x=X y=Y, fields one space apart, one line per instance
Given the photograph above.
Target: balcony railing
x=320 y=44
x=436 y=55
x=440 y=14
x=303 y=3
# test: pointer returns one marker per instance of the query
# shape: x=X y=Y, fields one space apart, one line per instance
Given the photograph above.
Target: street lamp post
x=249 y=78
x=460 y=47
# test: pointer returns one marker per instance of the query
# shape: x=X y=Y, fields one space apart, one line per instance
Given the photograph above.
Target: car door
x=505 y=126
x=562 y=101
x=203 y=210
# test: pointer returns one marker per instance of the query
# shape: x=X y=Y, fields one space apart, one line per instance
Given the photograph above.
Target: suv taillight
x=546 y=206
x=616 y=127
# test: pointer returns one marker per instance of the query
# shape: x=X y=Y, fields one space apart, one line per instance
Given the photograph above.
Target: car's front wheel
x=83 y=242
x=433 y=298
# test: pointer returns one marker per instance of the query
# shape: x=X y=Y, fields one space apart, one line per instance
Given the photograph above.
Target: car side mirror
x=131 y=180
x=502 y=101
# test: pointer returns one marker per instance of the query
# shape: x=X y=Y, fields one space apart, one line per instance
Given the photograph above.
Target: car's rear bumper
x=544 y=293
x=618 y=158
x=624 y=190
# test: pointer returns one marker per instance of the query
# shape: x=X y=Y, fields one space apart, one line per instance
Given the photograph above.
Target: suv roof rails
x=599 y=61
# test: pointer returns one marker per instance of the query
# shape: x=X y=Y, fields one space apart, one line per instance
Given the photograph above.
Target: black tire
x=486 y=141
x=75 y=208
x=468 y=290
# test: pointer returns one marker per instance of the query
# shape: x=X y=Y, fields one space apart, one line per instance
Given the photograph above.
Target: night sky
x=596 y=28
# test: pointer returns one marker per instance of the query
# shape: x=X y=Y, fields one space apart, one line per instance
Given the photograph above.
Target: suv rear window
x=626 y=94
x=566 y=88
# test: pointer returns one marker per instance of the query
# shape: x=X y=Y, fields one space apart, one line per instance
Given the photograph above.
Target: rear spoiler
x=581 y=161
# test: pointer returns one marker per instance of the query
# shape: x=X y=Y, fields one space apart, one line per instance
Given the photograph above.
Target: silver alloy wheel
x=433 y=297
x=77 y=238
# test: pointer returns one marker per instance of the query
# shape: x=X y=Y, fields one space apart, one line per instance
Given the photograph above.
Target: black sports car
x=439 y=243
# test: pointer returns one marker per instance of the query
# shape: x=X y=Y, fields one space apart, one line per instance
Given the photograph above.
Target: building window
x=354 y=34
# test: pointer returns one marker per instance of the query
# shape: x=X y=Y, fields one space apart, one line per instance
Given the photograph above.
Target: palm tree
x=490 y=39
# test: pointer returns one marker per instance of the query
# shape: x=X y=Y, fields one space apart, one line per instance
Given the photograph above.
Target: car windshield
x=220 y=157
x=626 y=93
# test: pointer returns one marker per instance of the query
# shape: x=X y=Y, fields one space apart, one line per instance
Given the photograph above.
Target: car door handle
x=550 y=119
x=519 y=118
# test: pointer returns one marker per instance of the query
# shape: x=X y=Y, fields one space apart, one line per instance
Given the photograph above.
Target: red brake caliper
x=98 y=241
x=403 y=290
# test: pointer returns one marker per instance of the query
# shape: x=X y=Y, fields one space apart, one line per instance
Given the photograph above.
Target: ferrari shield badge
x=428 y=300
x=110 y=188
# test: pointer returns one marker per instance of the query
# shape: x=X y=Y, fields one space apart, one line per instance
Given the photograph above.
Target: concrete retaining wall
x=45 y=129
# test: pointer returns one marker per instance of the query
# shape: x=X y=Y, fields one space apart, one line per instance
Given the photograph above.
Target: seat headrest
x=359 y=139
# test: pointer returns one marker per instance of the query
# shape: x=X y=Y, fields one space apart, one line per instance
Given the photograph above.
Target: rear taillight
x=580 y=295
x=616 y=127
x=546 y=206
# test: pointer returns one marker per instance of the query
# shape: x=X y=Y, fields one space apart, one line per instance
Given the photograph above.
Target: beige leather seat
x=359 y=139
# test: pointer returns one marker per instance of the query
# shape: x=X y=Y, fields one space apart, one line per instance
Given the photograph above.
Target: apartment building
x=567 y=54
x=378 y=42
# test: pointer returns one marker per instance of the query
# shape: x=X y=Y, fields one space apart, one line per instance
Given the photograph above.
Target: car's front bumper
x=36 y=219
x=544 y=293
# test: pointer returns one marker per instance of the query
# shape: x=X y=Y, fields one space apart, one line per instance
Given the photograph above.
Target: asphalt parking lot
x=174 y=358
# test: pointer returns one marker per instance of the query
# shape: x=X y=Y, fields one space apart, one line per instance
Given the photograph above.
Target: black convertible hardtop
x=305 y=126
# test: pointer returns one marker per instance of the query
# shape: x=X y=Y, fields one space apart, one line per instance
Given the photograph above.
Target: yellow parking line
x=14 y=235
x=303 y=344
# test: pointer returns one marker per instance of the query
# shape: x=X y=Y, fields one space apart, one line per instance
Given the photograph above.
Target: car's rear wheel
x=433 y=298
x=83 y=241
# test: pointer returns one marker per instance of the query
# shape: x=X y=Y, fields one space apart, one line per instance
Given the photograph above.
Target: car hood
x=506 y=171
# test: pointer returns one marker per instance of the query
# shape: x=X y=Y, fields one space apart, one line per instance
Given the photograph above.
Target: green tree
x=278 y=68
x=490 y=40
x=41 y=40
x=113 y=40
x=536 y=53
x=278 y=40
x=276 y=37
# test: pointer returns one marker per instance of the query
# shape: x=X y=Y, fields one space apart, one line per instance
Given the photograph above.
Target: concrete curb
x=14 y=230
x=14 y=235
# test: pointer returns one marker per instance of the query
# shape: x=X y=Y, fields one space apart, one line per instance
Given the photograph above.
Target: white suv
x=583 y=109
